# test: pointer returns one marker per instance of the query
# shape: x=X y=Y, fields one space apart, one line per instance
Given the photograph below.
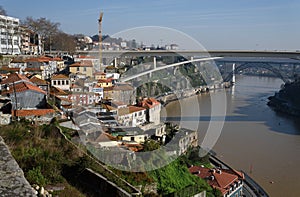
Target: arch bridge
x=283 y=68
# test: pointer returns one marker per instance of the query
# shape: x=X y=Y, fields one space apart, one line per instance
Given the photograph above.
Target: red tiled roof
x=24 y=86
x=57 y=91
x=33 y=69
x=63 y=99
x=149 y=103
x=33 y=112
x=43 y=59
x=133 y=109
x=222 y=179
x=85 y=57
x=109 y=108
x=85 y=63
x=6 y=68
x=17 y=60
x=39 y=59
x=105 y=80
x=38 y=81
x=57 y=59
x=99 y=73
x=60 y=76
x=14 y=77
x=123 y=87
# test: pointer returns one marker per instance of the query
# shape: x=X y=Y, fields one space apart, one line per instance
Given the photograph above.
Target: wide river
x=254 y=138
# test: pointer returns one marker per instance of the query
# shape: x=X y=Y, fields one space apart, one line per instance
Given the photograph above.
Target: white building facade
x=10 y=41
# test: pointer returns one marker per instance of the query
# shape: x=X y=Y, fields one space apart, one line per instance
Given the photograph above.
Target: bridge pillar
x=116 y=62
x=154 y=65
x=233 y=73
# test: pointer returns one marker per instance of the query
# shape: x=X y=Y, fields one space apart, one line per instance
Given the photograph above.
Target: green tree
x=151 y=145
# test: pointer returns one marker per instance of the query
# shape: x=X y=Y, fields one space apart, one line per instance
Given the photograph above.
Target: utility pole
x=16 y=100
x=100 y=40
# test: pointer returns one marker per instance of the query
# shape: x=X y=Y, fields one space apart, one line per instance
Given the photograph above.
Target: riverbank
x=287 y=99
x=182 y=94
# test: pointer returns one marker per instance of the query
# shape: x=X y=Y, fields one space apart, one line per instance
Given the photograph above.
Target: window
x=58 y=83
x=62 y=82
x=84 y=69
x=132 y=139
x=77 y=69
x=54 y=82
x=67 y=82
x=3 y=41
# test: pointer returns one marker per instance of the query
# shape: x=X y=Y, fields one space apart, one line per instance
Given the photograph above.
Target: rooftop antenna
x=100 y=39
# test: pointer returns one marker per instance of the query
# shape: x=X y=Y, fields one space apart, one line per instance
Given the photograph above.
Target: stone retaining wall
x=12 y=180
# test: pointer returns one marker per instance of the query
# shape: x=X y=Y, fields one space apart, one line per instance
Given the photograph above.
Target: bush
x=35 y=176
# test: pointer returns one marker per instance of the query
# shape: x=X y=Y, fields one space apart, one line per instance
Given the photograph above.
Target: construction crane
x=100 y=40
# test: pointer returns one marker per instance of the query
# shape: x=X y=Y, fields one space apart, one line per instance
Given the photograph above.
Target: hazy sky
x=216 y=24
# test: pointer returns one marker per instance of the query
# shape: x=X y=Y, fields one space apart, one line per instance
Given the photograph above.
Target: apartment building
x=9 y=35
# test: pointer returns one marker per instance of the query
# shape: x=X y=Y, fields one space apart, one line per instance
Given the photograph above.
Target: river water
x=254 y=138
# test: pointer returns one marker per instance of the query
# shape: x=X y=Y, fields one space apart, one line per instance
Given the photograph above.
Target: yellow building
x=99 y=75
x=105 y=83
x=83 y=67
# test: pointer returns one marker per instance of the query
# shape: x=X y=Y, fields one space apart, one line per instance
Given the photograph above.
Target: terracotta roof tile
x=14 y=77
x=38 y=81
x=60 y=76
x=33 y=112
x=123 y=87
x=84 y=63
x=57 y=91
x=133 y=109
x=99 y=73
x=17 y=60
x=149 y=103
x=105 y=80
x=24 y=86
x=222 y=178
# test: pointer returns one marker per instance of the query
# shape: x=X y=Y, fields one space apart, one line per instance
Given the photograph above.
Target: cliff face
x=287 y=99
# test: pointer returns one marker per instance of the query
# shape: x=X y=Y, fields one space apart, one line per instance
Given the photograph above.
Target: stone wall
x=12 y=180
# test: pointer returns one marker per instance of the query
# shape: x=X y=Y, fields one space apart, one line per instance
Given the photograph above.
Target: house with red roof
x=25 y=95
x=131 y=116
x=229 y=182
x=39 y=115
x=17 y=63
x=46 y=66
x=27 y=99
x=61 y=81
x=99 y=75
x=153 y=108
x=44 y=85
x=84 y=67
x=105 y=83
x=14 y=78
